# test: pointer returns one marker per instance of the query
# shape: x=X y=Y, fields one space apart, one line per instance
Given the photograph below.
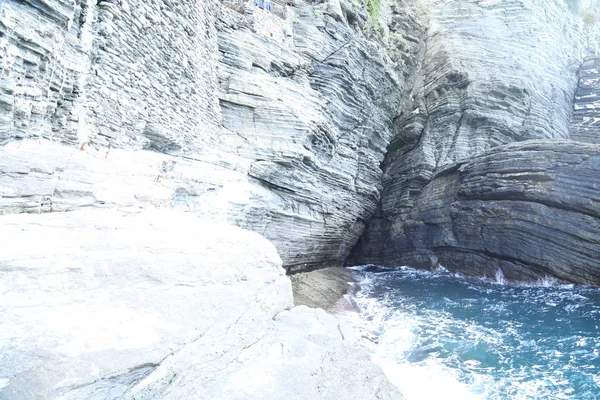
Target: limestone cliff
x=529 y=210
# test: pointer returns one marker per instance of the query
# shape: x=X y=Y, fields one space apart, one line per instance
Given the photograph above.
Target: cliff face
x=528 y=209
x=311 y=113
x=437 y=130
x=109 y=73
x=86 y=85
x=585 y=123
x=493 y=73
x=126 y=113
x=277 y=125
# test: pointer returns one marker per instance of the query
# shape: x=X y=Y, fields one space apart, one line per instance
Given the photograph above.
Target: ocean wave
x=438 y=335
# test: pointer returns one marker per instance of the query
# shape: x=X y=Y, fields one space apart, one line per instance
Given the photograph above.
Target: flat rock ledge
x=106 y=304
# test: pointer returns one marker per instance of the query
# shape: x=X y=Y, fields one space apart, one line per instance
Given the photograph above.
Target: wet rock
x=323 y=288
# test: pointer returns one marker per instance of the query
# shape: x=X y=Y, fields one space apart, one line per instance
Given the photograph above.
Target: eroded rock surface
x=585 y=121
x=282 y=122
x=106 y=304
x=313 y=113
x=528 y=209
x=493 y=73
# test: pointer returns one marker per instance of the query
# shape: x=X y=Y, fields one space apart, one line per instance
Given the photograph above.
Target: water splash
x=547 y=281
x=437 y=335
x=500 y=277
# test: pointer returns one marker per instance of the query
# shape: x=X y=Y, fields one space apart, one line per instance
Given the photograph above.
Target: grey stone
x=491 y=73
x=585 y=121
x=277 y=125
x=530 y=210
x=323 y=288
x=106 y=304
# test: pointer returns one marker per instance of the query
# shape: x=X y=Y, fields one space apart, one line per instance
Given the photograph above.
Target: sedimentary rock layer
x=493 y=72
x=312 y=111
x=277 y=125
x=109 y=73
x=528 y=209
x=585 y=121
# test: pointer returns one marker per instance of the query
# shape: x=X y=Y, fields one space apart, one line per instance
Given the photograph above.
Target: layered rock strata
x=585 y=121
x=525 y=210
x=108 y=304
x=312 y=112
x=274 y=124
x=492 y=73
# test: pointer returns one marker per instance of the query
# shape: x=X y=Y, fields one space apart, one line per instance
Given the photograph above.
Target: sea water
x=437 y=335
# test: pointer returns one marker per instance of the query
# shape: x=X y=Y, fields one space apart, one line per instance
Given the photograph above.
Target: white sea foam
x=438 y=336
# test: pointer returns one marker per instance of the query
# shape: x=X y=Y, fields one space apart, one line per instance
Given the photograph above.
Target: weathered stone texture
x=278 y=126
x=585 y=121
x=315 y=123
x=103 y=304
x=493 y=73
x=113 y=73
x=529 y=209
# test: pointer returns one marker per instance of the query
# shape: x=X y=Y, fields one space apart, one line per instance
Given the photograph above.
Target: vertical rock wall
x=492 y=73
x=585 y=120
x=278 y=125
x=121 y=72
x=44 y=54
x=312 y=111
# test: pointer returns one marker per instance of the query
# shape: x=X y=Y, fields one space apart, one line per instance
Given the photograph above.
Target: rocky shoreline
x=161 y=304
x=164 y=165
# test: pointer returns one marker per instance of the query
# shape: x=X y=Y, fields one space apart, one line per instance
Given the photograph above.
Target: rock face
x=493 y=73
x=110 y=107
x=104 y=304
x=325 y=288
x=527 y=209
x=277 y=125
x=312 y=113
x=300 y=356
x=108 y=73
x=585 y=121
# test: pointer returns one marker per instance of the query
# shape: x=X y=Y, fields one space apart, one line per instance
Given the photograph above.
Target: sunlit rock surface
x=313 y=113
x=585 y=121
x=161 y=304
x=281 y=121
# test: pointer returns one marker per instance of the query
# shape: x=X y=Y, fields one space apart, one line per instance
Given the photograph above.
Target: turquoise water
x=441 y=336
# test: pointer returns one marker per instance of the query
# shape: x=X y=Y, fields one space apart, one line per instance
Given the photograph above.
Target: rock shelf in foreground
x=105 y=304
